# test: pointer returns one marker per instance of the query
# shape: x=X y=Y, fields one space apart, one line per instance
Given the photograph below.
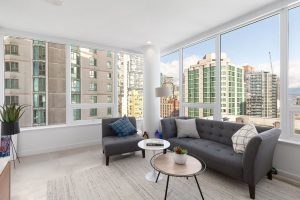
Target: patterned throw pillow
x=123 y=127
x=241 y=138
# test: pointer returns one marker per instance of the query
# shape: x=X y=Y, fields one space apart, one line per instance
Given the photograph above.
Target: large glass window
x=169 y=77
x=198 y=78
x=130 y=84
x=294 y=66
x=89 y=74
x=250 y=72
x=35 y=76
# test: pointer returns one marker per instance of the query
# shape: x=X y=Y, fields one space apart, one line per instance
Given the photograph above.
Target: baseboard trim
x=58 y=148
x=288 y=177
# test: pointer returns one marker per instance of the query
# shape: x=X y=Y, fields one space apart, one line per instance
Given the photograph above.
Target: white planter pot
x=180 y=158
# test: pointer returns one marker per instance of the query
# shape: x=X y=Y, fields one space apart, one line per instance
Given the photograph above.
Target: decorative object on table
x=155 y=142
x=180 y=155
x=9 y=117
x=145 y=135
x=5 y=146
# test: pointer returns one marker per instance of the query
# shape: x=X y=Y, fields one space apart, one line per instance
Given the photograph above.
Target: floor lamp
x=163 y=92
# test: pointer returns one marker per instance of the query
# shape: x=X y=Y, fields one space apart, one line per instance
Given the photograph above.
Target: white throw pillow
x=241 y=138
x=186 y=128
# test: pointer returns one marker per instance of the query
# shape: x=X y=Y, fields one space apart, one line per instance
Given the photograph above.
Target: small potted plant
x=9 y=116
x=180 y=155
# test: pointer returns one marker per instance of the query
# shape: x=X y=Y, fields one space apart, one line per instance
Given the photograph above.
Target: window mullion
x=115 y=85
x=284 y=113
x=69 y=110
x=217 y=107
x=181 y=98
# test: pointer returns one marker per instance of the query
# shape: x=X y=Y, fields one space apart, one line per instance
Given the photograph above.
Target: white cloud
x=170 y=69
x=191 y=60
x=294 y=74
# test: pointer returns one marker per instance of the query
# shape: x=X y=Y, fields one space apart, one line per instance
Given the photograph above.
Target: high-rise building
x=92 y=81
x=35 y=76
x=200 y=86
x=169 y=106
x=261 y=93
x=130 y=85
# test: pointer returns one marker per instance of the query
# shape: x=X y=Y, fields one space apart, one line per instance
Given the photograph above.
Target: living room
x=149 y=99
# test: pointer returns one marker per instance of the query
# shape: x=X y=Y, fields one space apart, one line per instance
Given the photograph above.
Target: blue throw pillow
x=123 y=127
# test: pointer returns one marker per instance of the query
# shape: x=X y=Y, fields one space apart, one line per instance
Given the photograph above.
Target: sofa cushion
x=241 y=138
x=123 y=127
x=186 y=128
x=113 y=145
x=217 y=156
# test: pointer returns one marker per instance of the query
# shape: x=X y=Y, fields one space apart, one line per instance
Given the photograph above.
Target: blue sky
x=251 y=44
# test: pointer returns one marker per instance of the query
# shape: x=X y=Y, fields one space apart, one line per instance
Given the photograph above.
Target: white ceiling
x=126 y=24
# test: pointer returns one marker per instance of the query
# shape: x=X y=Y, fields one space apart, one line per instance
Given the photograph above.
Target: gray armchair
x=114 y=145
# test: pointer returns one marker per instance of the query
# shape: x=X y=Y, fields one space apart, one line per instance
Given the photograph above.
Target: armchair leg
x=107 y=160
x=269 y=174
x=143 y=152
x=252 y=191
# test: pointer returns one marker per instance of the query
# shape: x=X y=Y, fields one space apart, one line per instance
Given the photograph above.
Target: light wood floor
x=29 y=179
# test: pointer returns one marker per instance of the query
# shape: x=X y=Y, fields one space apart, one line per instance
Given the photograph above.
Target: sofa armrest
x=258 y=156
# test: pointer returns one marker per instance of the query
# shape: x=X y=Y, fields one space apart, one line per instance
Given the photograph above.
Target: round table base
x=151 y=176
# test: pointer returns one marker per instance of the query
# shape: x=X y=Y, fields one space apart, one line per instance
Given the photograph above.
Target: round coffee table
x=153 y=175
x=164 y=163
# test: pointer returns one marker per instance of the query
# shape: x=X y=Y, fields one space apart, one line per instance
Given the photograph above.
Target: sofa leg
x=107 y=160
x=143 y=152
x=103 y=151
x=252 y=191
x=269 y=174
x=165 y=151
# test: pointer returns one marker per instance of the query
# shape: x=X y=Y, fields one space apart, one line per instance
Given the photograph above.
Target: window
x=11 y=66
x=39 y=68
x=169 y=77
x=75 y=98
x=93 y=74
x=11 y=100
x=130 y=84
x=109 y=87
x=93 y=99
x=109 y=76
x=253 y=88
x=109 y=64
x=82 y=72
x=11 y=49
x=294 y=57
x=93 y=87
x=34 y=86
x=11 y=83
x=93 y=61
x=93 y=112
x=198 y=79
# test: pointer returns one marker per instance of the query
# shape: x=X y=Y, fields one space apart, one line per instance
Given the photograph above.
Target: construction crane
x=270 y=57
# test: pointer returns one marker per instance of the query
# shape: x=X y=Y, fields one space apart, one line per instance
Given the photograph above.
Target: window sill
x=74 y=124
x=290 y=140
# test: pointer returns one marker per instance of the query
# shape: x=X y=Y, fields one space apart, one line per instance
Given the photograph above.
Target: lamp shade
x=162 y=92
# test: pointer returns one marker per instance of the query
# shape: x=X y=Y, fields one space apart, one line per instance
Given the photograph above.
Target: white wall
x=287 y=160
x=50 y=139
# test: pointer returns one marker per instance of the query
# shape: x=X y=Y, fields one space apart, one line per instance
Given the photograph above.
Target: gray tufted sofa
x=114 y=145
x=215 y=148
